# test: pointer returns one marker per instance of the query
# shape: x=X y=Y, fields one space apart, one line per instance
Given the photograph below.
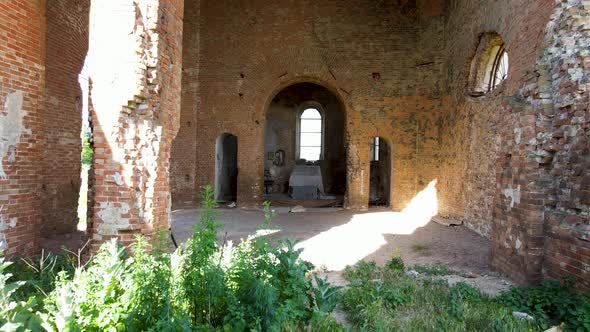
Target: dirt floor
x=333 y=238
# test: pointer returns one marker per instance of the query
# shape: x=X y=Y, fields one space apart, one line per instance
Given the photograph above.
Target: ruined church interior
x=453 y=132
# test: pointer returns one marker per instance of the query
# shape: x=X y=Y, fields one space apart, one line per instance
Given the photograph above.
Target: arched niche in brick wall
x=283 y=138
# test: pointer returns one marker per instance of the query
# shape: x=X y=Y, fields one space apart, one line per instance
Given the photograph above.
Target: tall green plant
x=15 y=315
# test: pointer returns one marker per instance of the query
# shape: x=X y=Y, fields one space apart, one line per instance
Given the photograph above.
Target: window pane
x=314 y=126
x=310 y=153
x=502 y=69
x=311 y=113
x=308 y=139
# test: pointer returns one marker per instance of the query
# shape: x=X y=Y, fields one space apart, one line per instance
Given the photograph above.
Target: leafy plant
x=433 y=270
x=550 y=303
x=383 y=299
x=15 y=315
x=87 y=150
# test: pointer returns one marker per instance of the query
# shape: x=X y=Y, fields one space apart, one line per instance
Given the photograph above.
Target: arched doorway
x=380 y=176
x=305 y=154
x=226 y=168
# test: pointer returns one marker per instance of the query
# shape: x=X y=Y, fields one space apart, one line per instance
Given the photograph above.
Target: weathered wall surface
x=22 y=100
x=525 y=144
x=473 y=124
x=185 y=148
x=135 y=71
x=367 y=53
x=544 y=232
x=67 y=44
x=563 y=133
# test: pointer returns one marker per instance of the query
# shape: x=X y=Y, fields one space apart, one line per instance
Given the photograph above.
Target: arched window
x=310 y=136
x=499 y=70
x=489 y=67
x=375 y=149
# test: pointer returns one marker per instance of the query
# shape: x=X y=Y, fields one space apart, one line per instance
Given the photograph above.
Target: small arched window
x=489 y=67
x=310 y=136
x=499 y=70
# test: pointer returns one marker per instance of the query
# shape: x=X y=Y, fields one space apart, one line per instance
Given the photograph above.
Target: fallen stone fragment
x=297 y=209
x=522 y=315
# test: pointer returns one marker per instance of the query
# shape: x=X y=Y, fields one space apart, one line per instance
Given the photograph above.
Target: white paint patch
x=517 y=135
x=11 y=128
x=111 y=218
x=518 y=244
x=513 y=194
x=4 y=225
x=118 y=179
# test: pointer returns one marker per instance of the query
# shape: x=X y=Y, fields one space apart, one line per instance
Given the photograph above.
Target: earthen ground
x=455 y=247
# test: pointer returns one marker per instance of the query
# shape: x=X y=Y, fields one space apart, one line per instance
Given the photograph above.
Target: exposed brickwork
x=559 y=94
x=67 y=44
x=22 y=101
x=184 y=148
x=512 y=164
x=538 y=223
x=336 y=44
x=472 y=125
x=135 y=69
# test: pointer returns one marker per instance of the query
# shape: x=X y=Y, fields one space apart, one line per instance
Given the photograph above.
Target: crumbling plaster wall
x=67 y=45
x=135 y=72
x=22 y=100
x=474 y=123
x=370 y=54
x=525 y=145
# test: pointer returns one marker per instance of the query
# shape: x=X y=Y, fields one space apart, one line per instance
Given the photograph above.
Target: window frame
x=375 y=145
x=493 y=83
x=485 y=64
x=302 y=108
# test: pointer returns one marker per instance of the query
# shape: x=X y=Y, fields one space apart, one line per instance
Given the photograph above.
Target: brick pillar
x=358 y=173
x=67 y=45
x=22 y=76
x=135 y=60
x=517 y=232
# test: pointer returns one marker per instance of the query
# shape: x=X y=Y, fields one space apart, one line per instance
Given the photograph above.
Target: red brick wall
x=249 y=52
x=135 y=69
x=494 y=185
x=563 y=150
x=67 y=44
x=22 y=100
x=475 y=123
x=184 y=148
x=531 y=133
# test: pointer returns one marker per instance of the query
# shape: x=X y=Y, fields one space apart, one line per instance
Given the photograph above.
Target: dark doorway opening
x=226 y=168
x=380 y=177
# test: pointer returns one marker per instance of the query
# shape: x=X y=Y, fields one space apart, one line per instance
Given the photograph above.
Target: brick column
x=22 y=100
x=135 y=60
x=358 y=172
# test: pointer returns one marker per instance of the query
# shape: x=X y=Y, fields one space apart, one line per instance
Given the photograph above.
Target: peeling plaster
x=111 y=218
x=4 y=225
x=517 y=135
x=11 y=128
x=513 y=194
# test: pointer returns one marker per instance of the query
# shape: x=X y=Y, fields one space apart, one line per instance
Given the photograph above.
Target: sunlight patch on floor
x=363 y=235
